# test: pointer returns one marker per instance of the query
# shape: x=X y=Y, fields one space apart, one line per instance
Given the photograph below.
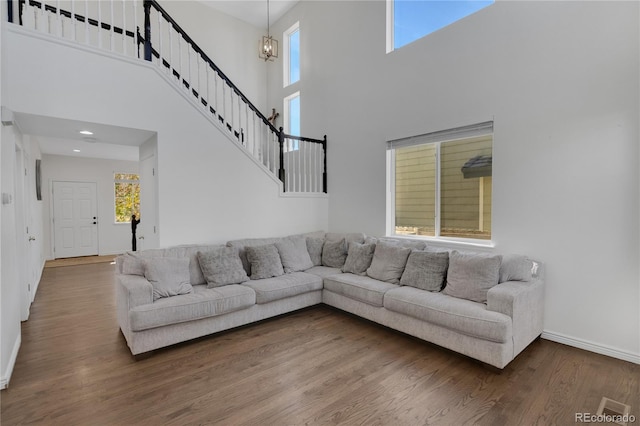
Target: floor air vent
x=614 y=411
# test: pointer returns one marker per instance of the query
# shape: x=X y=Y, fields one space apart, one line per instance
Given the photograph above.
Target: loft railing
x=299 y=162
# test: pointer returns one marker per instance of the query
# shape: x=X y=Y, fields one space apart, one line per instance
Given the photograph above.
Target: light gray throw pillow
x=470 y=276
x=359 y=258
x=168 y=276
x=265 y=261
x=334 y=253
x=515 y=267
x=314 y=247
x=222 y=266
x=426 y=270
x=294 y=254
x=388 y=262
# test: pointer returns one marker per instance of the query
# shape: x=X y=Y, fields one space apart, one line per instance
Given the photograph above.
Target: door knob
x=32 y=238
x=95 y=222
x=141 y=237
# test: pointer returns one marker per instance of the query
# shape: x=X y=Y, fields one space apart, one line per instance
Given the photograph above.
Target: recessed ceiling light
x=76 y=150
x=85 y=132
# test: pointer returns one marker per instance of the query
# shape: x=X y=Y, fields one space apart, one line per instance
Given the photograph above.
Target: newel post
x=324 y=170
x=281 y=169
x=147 y=30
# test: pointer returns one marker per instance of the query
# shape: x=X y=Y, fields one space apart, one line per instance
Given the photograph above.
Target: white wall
x=210 y=190
x=560 y=81
x=231 y=44
x=113 y=238
x=10 y=291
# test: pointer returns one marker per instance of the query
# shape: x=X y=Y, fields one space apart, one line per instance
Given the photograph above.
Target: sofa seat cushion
x=323 y=271
x=463 y=316
x=202 y=303
x=360 y=288
x=288 y=285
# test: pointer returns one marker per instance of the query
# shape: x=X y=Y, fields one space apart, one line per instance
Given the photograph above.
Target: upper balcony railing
x=113 y=25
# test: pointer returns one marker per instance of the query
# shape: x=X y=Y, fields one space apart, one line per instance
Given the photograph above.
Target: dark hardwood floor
x=316 y=366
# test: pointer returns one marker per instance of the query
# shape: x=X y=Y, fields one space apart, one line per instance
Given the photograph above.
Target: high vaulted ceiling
x=253 y=12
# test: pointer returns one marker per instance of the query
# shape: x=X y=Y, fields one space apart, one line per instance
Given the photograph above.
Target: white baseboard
x=6 y=375
x=591 y=347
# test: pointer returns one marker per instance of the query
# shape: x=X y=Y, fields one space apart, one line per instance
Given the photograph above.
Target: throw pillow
x=515 y=267
x=314 y=247
x=168 y=276
x=294 y=254
x=222 y=266
x=265 y=261
x=470 y=276
x=426 y=270
x=359 y=258
x=334 y=253
x=388 y=262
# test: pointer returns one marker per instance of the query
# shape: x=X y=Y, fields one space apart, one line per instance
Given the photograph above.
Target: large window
x=409 y=20
x=440 y=183
x=291 y=71
x=127 y=196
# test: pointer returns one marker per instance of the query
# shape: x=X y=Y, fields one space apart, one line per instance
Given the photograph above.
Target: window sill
x=449 y=242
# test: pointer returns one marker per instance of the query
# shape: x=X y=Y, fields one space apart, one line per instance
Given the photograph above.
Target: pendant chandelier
x=268 y=48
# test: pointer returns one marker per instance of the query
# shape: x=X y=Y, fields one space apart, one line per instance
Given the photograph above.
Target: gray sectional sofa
x=488 y=307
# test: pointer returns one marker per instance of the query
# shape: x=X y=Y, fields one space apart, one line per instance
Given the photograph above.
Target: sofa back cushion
x=314 y=247
x=388 y=262
x=515 y=267
x=471 y=275
x=294 y=254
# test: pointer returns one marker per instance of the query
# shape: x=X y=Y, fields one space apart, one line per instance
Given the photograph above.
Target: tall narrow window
x=292 y=118
x=409 y=20
x=127 y=196
x=440 y=183
x=291 y=61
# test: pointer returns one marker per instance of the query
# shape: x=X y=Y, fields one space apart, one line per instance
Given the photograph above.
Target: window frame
x=286 y=39
x=117 y=181
x=438 y=139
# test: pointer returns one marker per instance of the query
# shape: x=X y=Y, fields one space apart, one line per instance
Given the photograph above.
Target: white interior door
x=75 y=219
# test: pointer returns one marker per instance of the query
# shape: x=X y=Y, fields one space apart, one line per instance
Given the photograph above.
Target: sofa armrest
x=136 y=289
x=524 y=303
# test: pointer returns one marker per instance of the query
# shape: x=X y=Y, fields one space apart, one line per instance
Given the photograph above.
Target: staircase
x=114 y=25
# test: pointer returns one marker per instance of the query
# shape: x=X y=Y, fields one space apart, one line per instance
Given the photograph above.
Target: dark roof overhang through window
x=478 y=166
